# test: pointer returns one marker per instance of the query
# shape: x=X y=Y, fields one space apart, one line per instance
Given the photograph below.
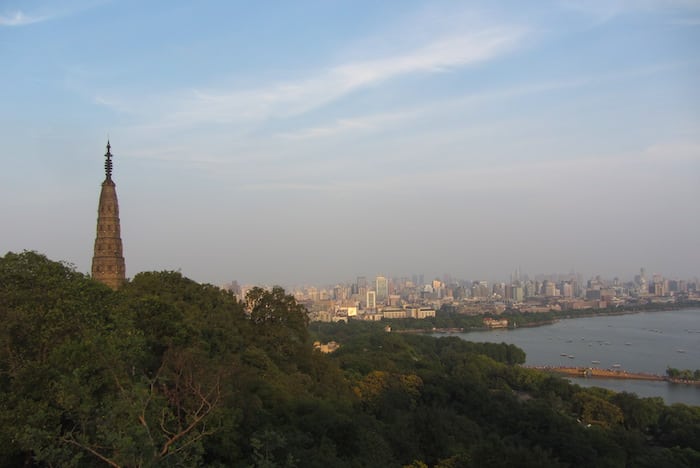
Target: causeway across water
x=600 y=373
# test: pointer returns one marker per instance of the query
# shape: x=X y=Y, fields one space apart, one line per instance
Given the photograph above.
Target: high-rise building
x=642 y=283
x=371 y=300
x=480 y=289
x=498 y=290
x=550 y=288
x=361 y=286
x=530 y=289
x=382 y=289
x=567 y=289
x=517 y=294
x=340 y=293
x=108 y=260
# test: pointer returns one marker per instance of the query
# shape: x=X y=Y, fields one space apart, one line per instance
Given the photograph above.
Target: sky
x=310 y=142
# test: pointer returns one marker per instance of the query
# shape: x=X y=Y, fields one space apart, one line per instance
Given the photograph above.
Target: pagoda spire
x=108 y=162
x=108 y=264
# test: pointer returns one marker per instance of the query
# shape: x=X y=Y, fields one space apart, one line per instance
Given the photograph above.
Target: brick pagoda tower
x=108 y=262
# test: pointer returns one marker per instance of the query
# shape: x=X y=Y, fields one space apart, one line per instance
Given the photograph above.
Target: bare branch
x=94 y=452
x=162 y=424
x=202 y=411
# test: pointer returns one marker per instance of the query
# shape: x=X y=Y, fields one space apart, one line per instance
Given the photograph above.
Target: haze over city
x=312 y=142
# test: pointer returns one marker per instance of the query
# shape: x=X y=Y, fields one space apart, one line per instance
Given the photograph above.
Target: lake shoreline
x=612 y=313
x=637 y=344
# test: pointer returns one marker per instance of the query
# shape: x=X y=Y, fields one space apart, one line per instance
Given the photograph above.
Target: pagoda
x=108 y=261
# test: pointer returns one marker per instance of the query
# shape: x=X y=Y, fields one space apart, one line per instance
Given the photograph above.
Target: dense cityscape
x=381 y=297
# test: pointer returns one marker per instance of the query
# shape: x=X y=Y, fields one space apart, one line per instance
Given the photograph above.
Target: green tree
x=593 y=409
x=679 y=425
x=639 y=413
x=169 y=372
x=90 y=374
x=280 y=324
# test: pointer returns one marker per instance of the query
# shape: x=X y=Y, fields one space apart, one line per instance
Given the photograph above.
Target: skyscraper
x=382 y=288
x=371 y=300
x=108 y=260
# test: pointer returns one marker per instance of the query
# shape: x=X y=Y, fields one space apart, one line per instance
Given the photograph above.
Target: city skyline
x=311 y=142
x=447 y=279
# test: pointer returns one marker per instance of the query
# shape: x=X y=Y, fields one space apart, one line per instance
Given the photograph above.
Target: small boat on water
x=595 y=362
x=564 y=355
x=680 y=350
x=616 y=366
x=628 y=344
x=571 y=356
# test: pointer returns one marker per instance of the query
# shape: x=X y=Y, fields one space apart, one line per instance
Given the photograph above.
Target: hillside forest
x=169 y=372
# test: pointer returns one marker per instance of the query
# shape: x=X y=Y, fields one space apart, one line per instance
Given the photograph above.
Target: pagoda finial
x=108 y=162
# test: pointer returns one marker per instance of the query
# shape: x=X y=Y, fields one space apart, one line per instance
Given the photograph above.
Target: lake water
x=643 y=342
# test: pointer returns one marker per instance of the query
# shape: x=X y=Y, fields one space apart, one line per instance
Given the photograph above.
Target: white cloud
x=383 y=121
x=20 y=19
x=50 y=11
x=439 y=55
x=285 y=158
x=606 y=10
x=285 y=99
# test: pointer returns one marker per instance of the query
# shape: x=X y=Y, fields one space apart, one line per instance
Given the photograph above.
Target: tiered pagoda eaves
x=108 y=261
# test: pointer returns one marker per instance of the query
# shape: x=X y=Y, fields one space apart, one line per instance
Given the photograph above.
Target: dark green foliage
x=280 y=324
x=679 y=426
x=168 y=372
x=683 y=374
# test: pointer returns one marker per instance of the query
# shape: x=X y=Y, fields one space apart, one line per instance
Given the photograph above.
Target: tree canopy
x=169 y=372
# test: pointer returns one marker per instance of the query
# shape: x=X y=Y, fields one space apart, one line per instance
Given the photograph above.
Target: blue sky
x=311 y=142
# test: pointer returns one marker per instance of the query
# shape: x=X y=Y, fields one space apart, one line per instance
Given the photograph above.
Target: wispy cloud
x=49 y=12
x=606 y=10
x=19 y=18
x=572 y=83
x=291 y=98
x=388 y=120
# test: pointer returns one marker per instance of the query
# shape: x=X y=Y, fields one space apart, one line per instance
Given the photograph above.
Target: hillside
x=169 y=372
